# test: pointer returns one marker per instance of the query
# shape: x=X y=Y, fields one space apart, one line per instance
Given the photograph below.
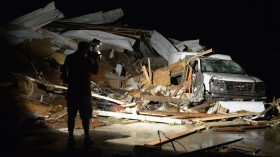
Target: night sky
x=246 y=30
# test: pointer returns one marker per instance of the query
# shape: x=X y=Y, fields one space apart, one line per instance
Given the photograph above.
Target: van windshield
x=221 y=66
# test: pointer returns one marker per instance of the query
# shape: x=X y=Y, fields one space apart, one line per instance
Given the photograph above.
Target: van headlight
x=217 y=86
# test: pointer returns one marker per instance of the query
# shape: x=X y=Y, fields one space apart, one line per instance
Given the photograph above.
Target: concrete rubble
x=135 y=79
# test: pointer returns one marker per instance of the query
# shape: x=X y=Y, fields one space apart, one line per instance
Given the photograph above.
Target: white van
x=218 y=77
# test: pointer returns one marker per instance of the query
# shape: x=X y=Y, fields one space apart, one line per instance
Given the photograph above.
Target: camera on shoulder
x=94 y=51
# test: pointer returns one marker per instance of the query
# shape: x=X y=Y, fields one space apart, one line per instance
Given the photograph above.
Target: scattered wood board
x=176 y=136
x=227 y=116
x=139 y=117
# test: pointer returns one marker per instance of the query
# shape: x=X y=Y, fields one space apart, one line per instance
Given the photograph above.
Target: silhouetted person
x=77 y=69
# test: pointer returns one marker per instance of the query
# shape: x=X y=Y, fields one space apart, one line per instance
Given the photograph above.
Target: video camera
x=93 y=50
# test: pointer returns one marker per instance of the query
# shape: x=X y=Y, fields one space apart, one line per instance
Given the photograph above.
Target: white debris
x=162 y=45
x=38 y=18
x=15 y=36
x=104 y=37
x=188 y=45
x=235 y=106
x=97 y=18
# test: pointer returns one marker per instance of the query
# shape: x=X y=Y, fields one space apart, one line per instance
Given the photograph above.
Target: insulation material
x=119 y=69
x=190 y=45
x=235 y=106
x=97 y=18
x=24 y=27
x=17 y=36
x=104 y=37
x=61 y=41
x=162 y=45
x=38 y=18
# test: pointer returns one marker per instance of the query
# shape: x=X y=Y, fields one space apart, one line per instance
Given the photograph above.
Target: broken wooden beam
x=214 y=146
x=174 y=114
x=57 y=115
x=144 y=69
x=150 y=71
x=139 y=117
x=241 y=128
x=107 y=98
x=274 y=104
x=226 y=123
x=227 y=116
x=185 y=73
x=255 y=127
x=230 y=129
x=173 y=69
x=176 y=136
x=162 y=76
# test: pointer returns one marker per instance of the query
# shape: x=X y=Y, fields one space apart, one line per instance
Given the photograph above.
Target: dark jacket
x=79 y=70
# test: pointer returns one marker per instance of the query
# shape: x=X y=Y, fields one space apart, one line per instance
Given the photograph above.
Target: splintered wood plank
x=144 y=69
x=106 y=98
x=226 y=123
x=213 y=146
x=35 y=107
x=176 y=114
x=175 y=68
x=230 y=129
x=139 y=117
x=240 y=128
x=178 y=67
x=150 y=70
x=176 y=136
x=223 y=116
x=161 y=99
x=155 y=113
x=255 y=127
x=57 y=115
x=190 y=114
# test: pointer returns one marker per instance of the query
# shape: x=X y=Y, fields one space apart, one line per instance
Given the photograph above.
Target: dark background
x=246 y=30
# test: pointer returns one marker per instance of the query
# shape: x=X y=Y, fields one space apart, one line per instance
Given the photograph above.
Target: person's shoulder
x=87 y=59
x=70 y=56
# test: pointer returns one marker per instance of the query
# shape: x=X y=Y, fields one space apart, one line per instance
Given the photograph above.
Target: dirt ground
x=23 y=136
x=114 y=140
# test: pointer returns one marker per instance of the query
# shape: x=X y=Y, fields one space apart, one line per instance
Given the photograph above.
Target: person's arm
x=93 y=65
x=64 y=71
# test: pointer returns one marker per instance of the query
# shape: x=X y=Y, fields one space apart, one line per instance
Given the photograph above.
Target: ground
x=23 y=135
x=123 y=140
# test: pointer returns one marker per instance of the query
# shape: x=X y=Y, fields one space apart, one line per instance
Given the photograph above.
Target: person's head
x=96 y=42
x=83 y=47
